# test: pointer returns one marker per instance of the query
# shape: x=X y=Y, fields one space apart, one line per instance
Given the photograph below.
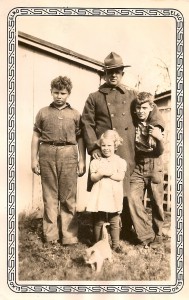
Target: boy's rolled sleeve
x=37 y=124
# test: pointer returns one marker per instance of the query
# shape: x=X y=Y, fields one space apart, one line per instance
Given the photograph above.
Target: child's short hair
x=61 y=83
x=144 y=97
x=113 y=135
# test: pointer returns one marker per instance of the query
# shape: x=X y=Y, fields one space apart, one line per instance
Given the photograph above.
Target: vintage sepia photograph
x=95 y=99
x=76 y=63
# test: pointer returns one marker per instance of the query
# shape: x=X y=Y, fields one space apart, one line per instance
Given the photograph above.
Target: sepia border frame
x=11 y=150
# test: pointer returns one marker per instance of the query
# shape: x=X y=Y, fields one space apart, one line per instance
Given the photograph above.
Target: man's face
x=143 y=111
x=59 y=96
x=114 y=76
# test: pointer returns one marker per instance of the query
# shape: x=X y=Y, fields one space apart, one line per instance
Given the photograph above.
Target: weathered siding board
x=24 y=125
x=164 y=104
x=166 y=113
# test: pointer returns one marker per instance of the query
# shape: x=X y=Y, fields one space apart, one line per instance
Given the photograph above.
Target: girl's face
x=107 y=147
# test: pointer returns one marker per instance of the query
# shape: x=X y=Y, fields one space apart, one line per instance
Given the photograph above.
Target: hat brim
x=115 y=67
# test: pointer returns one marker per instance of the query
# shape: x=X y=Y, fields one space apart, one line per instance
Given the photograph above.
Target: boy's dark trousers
x=148 y=174
x=58 y=166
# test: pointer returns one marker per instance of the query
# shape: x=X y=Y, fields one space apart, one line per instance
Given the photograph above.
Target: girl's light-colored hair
x=112 y=135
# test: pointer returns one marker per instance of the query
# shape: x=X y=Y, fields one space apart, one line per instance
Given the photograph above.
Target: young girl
x=107 y=174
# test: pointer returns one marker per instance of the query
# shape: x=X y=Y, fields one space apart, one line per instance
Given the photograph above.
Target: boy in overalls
x=148 y=173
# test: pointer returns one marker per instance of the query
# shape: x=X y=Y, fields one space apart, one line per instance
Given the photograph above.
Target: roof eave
x=42 y=45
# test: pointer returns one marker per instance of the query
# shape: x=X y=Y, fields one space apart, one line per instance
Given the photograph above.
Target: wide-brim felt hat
x=114 y=61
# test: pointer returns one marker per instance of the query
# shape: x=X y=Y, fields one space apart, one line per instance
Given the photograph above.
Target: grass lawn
x=37 y=261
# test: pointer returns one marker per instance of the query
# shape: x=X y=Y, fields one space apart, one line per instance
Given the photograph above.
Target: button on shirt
x=58 y=125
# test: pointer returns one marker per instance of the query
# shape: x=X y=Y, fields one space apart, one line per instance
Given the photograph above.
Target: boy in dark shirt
x=148 y=172
x=55 y=145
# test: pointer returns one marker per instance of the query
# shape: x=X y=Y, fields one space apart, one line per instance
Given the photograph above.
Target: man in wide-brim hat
x=110 y=108
x=113 y=69
x=113 y=61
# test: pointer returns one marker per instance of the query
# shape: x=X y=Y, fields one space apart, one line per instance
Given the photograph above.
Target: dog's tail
x=104 y=231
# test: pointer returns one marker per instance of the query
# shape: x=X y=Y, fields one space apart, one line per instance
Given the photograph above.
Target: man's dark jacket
x=110 y=108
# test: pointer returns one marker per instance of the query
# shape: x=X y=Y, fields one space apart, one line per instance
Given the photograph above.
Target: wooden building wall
x=35 y=70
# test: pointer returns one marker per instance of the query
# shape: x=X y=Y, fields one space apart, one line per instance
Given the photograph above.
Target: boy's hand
x=156 y=132
x=81 y=169
x=35 y=167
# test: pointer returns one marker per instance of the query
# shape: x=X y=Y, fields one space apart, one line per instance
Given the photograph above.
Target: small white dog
x=100 y=251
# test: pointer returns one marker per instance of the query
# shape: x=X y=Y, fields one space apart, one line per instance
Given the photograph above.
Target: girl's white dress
x=107 y=194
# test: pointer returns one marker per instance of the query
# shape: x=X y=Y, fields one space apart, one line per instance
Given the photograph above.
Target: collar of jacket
x=67 y=105
x=106 y=88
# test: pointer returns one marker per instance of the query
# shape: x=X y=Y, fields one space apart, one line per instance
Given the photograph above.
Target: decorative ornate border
x=11 y=151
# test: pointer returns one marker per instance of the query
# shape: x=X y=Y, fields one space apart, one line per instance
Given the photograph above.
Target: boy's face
x=59 y=96
x=143 y=111
x=107 y=147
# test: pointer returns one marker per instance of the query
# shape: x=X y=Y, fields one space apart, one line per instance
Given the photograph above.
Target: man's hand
x=96 y=154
